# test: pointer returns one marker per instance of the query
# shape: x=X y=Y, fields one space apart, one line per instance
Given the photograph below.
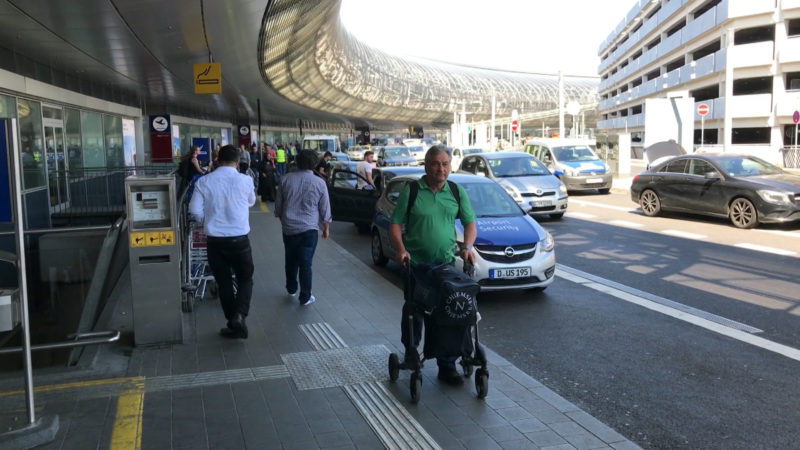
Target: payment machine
x=154 y=258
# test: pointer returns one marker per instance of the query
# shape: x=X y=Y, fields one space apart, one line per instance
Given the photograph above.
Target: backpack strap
x=414 y=190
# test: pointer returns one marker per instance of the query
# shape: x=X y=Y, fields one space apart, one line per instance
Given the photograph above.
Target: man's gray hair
x=435 y=151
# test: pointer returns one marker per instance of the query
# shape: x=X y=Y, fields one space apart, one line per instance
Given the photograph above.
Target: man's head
x=307 y=160
x=327 y=156
x=437 y=163
x=368 y=155
x=228 y=155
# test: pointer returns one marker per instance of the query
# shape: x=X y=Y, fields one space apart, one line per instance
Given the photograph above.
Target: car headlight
x=548 y=243
x=780 y=198
x=513 y=192
x=562 y=189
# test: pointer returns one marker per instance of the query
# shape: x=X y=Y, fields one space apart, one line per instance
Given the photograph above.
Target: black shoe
x=450 y=376
x=236 y=329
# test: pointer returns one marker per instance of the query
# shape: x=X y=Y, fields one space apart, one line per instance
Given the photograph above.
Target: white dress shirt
x=222 y=199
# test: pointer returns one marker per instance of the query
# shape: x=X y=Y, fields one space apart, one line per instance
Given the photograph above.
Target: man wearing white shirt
x=364 y=169
x=222 y=200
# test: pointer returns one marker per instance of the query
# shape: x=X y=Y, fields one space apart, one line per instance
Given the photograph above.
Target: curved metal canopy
x=292 y=55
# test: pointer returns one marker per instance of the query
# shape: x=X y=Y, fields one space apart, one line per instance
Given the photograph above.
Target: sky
x=542 y=36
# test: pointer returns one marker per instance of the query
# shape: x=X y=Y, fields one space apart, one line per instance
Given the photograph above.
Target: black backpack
x=414 y=190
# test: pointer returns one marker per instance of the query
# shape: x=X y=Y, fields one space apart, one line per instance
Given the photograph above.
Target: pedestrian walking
x=302 y=205
x=222 y=200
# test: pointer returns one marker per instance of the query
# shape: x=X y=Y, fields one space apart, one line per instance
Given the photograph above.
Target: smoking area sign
x=207 y=78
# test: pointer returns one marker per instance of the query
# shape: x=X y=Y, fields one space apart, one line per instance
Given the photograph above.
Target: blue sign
x=5 y=186
x=205 y=148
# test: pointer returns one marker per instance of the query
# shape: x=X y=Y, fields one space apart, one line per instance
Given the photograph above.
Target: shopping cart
x=198 y=274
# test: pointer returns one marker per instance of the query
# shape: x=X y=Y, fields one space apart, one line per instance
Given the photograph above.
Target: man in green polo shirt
x=430 y=236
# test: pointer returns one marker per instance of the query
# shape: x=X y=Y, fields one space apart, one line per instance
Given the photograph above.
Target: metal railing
x=791 y=157
x=93 y=195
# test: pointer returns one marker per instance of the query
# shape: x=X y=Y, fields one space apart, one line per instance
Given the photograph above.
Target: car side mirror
x=558 y=173
x=714 y=175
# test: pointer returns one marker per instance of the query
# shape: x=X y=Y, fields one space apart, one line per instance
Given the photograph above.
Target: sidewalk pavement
x=307 y=377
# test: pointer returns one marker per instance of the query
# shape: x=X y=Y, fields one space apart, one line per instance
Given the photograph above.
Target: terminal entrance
x=55 y=157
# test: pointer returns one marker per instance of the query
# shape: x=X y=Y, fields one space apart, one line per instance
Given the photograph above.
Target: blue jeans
x=299 y=250
x=281 y=168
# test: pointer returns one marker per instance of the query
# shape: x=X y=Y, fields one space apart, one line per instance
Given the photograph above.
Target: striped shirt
x=302 y=202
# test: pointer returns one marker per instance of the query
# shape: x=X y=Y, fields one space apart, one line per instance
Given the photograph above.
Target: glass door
x=56 y=163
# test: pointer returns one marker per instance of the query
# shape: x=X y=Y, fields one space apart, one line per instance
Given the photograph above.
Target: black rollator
x=447 y=300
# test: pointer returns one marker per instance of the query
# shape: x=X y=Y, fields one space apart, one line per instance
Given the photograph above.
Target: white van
x=322 y=143
x=573 y=161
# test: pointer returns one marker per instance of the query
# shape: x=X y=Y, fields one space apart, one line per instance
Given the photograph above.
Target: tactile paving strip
x=337 y=367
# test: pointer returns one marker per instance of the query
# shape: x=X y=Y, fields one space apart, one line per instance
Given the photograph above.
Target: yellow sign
x=167 y=237
x=207 y=78
x=137 y=240
x=152 y=238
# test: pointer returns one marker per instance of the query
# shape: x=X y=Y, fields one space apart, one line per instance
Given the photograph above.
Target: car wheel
x=743 y=214
x=378 y=258
x=604 y=191
x=650 y=203
x=556 y=216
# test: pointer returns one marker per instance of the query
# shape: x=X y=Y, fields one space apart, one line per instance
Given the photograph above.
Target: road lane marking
x=684 y=234
x=127 y=431
x=601 y=205
x=761 y=248
x=780 y=233
x=262 y=206
x=579 y=215
x=734 y=330
x=625 y=223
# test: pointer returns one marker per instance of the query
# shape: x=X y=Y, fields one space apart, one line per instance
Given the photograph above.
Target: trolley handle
x=469 y=269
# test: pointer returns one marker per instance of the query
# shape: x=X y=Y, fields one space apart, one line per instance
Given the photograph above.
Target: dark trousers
x=418 y=317
x=281 y=168
x=228 y=256
x=299 y=249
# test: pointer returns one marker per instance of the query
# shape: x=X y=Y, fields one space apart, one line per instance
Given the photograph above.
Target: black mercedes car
x=744 y=188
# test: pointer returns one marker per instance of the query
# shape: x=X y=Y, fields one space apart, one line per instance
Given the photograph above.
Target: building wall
x=737 y=56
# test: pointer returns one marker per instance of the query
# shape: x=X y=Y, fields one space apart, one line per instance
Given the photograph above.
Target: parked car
x=525 y=178
x=417 y=151
x=396 y=155
x=743 y=188
x=574 y=162
x=512 y=250
x=457 y=155
x=357 y=153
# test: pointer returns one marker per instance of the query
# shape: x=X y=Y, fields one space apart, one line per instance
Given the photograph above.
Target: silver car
x=537 y=191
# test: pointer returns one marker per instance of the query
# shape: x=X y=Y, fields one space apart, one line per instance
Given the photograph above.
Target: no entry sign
x=702 y=109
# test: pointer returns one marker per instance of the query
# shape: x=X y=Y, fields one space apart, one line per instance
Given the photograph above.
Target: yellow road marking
x=127 y=433
x=263 y=206
x=78 y=384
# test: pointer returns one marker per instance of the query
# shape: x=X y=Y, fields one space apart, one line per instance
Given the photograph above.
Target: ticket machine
x=153 y=236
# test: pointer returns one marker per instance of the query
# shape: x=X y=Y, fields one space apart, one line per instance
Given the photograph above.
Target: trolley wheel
x=482 y=382
x=394 y=367
x=466 y=368
x=416 y=386
x=187 y=302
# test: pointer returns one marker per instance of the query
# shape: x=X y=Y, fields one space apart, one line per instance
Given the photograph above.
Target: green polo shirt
x=430 y=234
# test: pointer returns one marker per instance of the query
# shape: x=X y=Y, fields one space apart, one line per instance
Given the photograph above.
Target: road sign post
x=795 y=119
x=702 y=110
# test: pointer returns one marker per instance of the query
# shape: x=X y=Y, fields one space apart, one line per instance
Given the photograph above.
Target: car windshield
x=322 y=145
x=574 y=153
x=746 y=166
x=397 y=152
x=491 y=200
x=470 y=151
x=416 y=148
x=517 y=167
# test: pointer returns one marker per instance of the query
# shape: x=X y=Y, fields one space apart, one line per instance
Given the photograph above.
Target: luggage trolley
x=447 y=300
x=198 y=273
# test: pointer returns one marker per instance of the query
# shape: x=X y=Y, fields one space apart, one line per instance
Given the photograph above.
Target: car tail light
x=634 y=179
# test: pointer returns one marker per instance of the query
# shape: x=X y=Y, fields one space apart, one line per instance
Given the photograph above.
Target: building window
x=792 y=80
x=705 y=93
x=92 y=139
x=751 y=35
x=710 y=136
x=672 y=65
x=623 y=113
x=623 y=88
x=653 y=12
x=72 y=132
x=112 y=130
x=653 y=74
x=750 y=86
x=756 y=135
x=676 y=28
x=636 y=109
x=8 y=107
x=793 y=27
x=636 y=55
x=31 y=143
x=705 y=7
x=705 y=51
x=653 y=43
x=636 y=82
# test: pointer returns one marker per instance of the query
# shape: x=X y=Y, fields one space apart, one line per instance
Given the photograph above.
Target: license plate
x=511 y=272
x=594 y=180
x=540 y=203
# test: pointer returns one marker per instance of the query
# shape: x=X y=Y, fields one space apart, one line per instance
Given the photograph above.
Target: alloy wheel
x=650 y=203
x=743 y=214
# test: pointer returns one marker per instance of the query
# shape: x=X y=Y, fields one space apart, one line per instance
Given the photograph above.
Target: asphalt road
x=662 y=381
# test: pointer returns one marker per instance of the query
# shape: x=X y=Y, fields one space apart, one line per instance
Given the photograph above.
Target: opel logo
x=509 y=252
